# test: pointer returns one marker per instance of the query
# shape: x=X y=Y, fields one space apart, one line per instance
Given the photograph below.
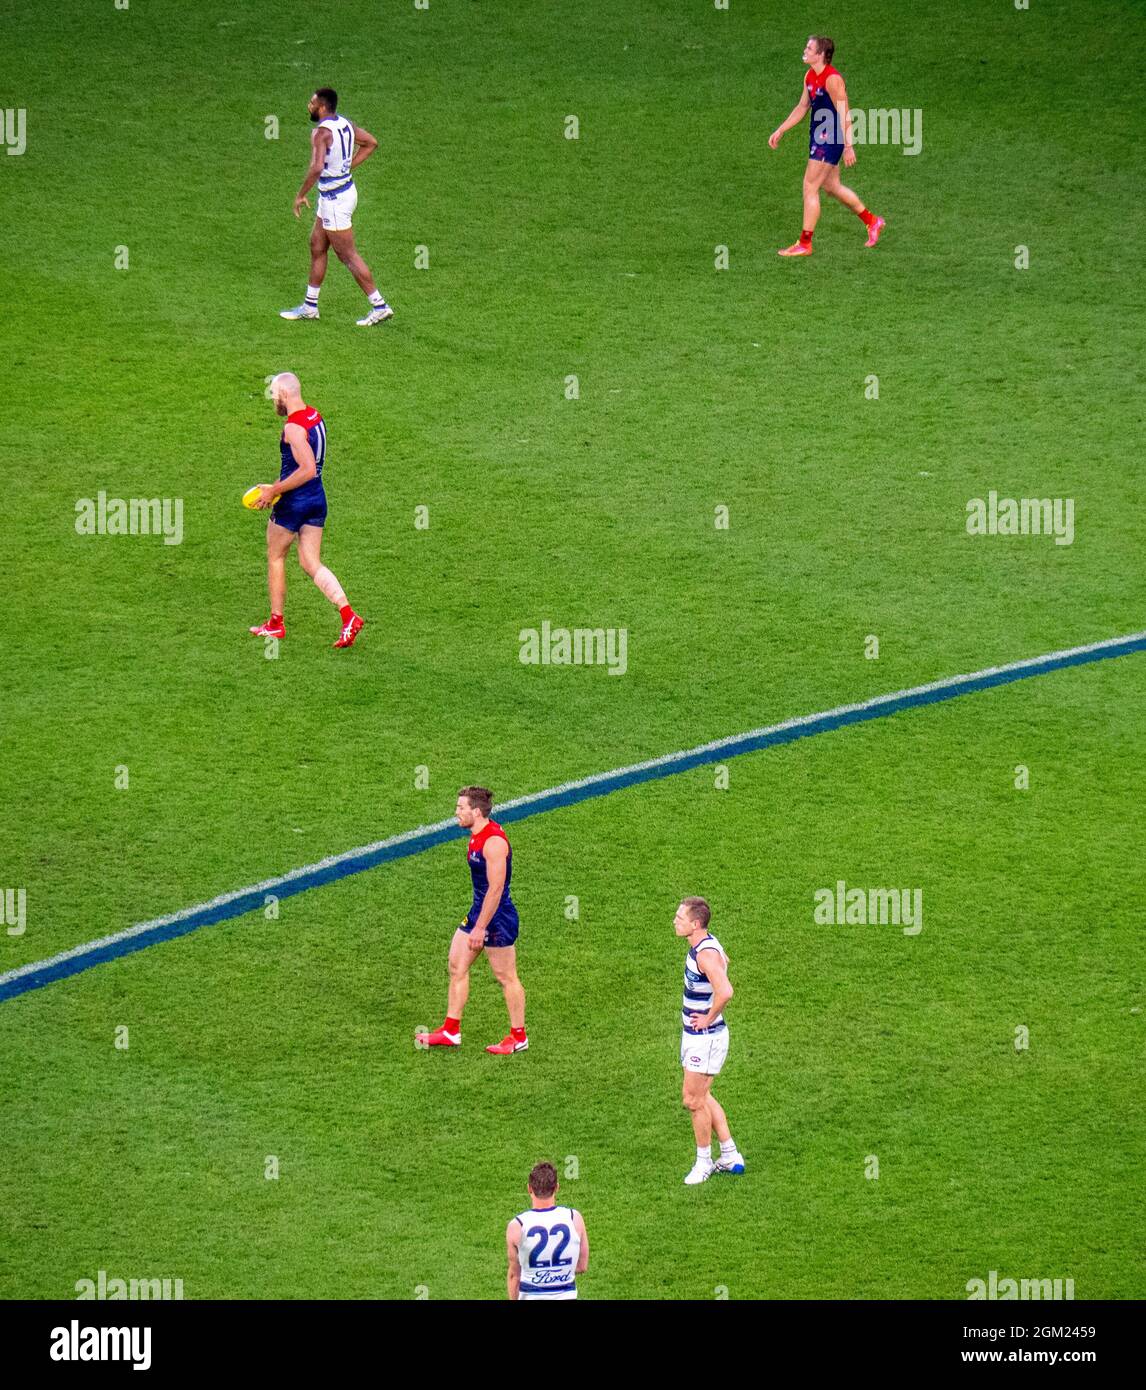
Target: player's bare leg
x=719 y=1118
x=503 y=963
x=694 y=1096
x=835 y=189
x=814 y=177
x=279 y=541
x=319 y=247
x=310 y=558
x=348 y=254
x=319 y=251
x=462 y=956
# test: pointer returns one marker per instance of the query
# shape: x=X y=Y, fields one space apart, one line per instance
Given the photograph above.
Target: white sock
x=705 y=1153
x=728 y=1146
x=312 y=293
x=376 y=299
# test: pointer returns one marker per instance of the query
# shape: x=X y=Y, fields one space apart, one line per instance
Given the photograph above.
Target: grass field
x=699 y=388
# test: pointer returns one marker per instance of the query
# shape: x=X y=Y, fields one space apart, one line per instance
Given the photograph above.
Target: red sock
x=452 y=1025
x=867 y=218
x=346 y=613
x=276 y=618
x=518 y=1034
x=805 y=238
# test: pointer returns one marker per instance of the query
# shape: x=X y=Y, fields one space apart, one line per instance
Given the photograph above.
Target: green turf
x=698 y=388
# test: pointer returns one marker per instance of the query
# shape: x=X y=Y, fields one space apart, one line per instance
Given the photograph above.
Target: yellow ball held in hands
x=251 y=496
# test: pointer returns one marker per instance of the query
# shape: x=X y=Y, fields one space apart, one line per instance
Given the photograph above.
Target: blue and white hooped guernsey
x=335 y=174
x=548 y=1252
x=698 y=987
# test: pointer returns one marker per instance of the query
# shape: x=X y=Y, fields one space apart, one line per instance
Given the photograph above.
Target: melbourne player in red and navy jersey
x=826 y=97
x=491 y=924
x=299 y=502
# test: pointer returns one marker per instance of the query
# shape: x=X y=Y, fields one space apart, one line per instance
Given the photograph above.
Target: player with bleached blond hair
x=299 y=503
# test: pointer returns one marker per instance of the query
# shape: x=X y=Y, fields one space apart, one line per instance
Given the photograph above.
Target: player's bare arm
x=795 y=116
x=583 y=1257
x=513 y=1272
x=838 y=93
x=496 y=852
x=364 y=146
x=711 y=965
x=320 y=143
x=295 y=436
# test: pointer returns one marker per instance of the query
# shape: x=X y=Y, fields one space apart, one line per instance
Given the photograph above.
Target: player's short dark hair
x=698 y=910
x=543 y=1180
x=480 y=798
x=826 y=46
x=329 y=98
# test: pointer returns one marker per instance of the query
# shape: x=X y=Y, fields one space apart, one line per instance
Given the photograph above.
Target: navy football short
x=291 y=515
x=827 y=154
x=499 y=932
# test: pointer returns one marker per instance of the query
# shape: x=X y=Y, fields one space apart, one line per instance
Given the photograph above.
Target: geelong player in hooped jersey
x=826 y=97
x=546 y=1245
x=299 y=502
x=337 y=147
x=490 y=925
x=704 y=1039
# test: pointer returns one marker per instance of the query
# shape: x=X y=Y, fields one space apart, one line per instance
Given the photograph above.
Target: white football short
x=704 y=1052
x=336 y=213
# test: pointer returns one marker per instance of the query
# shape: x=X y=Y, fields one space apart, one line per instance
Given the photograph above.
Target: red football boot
x=796 y=249
x=874 y=230
x=350 y=631
x=270 y=628
x=438 y=1038
x=508 y=1045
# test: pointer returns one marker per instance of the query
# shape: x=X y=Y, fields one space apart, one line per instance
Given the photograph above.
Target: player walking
x=491 y=923
x=299 y=502
x=547 y=1246
x=830 y=139
x=337 y=147
x=704 y=1044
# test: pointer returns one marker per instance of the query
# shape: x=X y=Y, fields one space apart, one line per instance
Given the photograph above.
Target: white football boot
x=300 y=311
x=730 y=1163
x=700 y=1171
x=378 y=314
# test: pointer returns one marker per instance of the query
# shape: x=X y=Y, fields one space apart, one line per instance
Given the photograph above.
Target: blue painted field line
x=355 y=861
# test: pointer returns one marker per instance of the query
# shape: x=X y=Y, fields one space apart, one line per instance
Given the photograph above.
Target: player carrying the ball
x=830 y=138
x=704 y=1042
x=299 y=502
x=491 y=924
x=337 y=147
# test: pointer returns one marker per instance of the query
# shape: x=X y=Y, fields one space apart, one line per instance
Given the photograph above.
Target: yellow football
x=251 y=496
